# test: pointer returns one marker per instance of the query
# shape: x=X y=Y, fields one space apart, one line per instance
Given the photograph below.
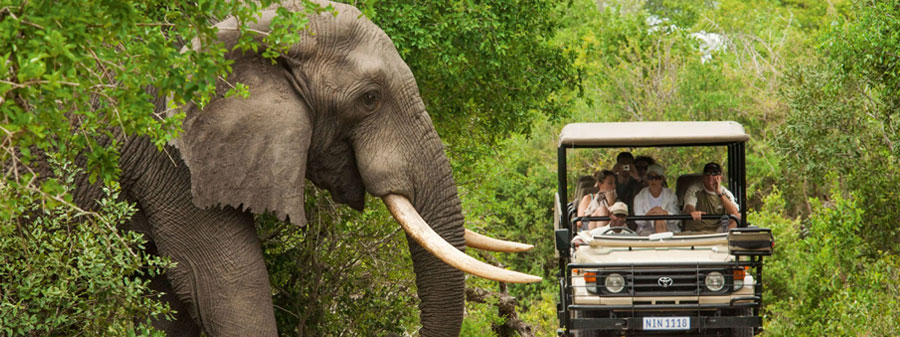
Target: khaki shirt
x=707 y=202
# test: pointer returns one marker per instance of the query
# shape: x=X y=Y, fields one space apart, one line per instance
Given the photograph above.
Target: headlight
x=615 y=282
x=715 y=281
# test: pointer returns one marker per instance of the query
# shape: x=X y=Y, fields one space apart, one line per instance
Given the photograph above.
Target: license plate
x=667 y=323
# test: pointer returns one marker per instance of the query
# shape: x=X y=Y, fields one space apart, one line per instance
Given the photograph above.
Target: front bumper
x=636 y=323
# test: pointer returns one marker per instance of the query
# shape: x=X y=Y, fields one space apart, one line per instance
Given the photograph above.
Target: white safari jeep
x=666 y=283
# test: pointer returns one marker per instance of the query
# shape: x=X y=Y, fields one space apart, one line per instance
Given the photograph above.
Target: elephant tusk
x=482 y=242
x=415 y=226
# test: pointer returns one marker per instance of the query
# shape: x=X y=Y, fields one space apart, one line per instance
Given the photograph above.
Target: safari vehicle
x=707 y=284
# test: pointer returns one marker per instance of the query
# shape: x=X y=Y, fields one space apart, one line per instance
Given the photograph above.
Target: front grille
x=664 y=281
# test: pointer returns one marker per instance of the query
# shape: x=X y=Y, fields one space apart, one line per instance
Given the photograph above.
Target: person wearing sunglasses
x=656 y=199
x=641 y=163
x=709 y=197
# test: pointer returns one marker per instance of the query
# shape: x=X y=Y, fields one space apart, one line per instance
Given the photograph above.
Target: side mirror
x=563 y=246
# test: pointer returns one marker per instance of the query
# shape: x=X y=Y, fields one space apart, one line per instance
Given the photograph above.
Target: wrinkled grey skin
x=340 y=109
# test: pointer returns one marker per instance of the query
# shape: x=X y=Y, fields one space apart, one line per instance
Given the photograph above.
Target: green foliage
x=343 y=266
x=480 y=320
x=510 y=196
x=485 y=69
x=542 y=315
x=824 y=278
x=811 y=82
x=642 y=65
x=838 y=272
x=65 y=271
x=842 y=118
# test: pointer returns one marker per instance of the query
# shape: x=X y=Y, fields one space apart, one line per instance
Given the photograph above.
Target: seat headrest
x=685 y=181
x=583 y=186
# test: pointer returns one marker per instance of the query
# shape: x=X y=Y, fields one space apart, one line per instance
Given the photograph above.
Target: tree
x=843 y=117
x=485 y=69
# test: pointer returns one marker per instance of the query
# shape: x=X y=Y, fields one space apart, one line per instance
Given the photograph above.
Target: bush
x=66 y=271
x=824 y=279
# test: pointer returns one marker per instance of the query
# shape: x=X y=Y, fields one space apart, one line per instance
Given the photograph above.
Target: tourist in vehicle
x=656 y=199
x=618 y=213
x=709 y=197
x=641 y=163
x=628 y=182
x=597 y=204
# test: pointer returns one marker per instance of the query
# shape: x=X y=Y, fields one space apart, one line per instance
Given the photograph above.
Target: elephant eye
x=370 y=99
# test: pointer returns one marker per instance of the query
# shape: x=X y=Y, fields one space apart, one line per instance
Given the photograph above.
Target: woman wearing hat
x=656 y=199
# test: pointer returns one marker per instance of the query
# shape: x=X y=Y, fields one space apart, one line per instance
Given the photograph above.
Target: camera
x=626 y=167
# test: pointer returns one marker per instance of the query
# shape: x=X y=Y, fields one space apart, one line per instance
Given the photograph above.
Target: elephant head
x=343 y=110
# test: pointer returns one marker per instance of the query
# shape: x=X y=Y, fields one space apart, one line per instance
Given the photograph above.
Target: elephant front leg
x=220 y=273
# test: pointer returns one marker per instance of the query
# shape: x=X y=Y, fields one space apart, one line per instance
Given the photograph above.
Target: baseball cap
x=712 y=168
x=619 y=208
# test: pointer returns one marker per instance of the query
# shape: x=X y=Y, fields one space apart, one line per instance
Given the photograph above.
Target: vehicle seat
x=585 y=185
x=685 y=181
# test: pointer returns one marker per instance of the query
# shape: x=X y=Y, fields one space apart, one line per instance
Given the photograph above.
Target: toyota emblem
x=664 y=282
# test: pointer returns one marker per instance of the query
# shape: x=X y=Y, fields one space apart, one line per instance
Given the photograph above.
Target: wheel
x=742 y=332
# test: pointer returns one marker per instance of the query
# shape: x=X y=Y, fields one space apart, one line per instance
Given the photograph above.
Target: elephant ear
x=249 y=153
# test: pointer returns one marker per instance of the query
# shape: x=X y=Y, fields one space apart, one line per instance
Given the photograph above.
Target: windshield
x=650 y=190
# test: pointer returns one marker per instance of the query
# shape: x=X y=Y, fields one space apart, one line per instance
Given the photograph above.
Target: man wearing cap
x=709 y=197
x=618 y=212
x=656 y=199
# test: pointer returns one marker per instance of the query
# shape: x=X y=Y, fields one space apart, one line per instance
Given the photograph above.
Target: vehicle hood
x=700 y=248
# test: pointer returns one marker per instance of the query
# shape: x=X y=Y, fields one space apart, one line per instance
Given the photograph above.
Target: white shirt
x=644 y=201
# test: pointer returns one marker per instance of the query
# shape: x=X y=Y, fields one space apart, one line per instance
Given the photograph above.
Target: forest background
x=815 y=83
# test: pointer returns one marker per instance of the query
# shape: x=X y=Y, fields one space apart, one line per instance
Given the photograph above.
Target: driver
x=618 y=213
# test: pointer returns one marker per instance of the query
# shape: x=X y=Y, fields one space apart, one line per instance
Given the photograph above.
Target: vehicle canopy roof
x=641 y=134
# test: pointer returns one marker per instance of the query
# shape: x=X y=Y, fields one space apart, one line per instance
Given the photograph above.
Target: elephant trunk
x=437 y=241
x=440 y=285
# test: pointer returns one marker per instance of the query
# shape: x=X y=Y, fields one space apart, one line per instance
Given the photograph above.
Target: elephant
x=340 y=109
